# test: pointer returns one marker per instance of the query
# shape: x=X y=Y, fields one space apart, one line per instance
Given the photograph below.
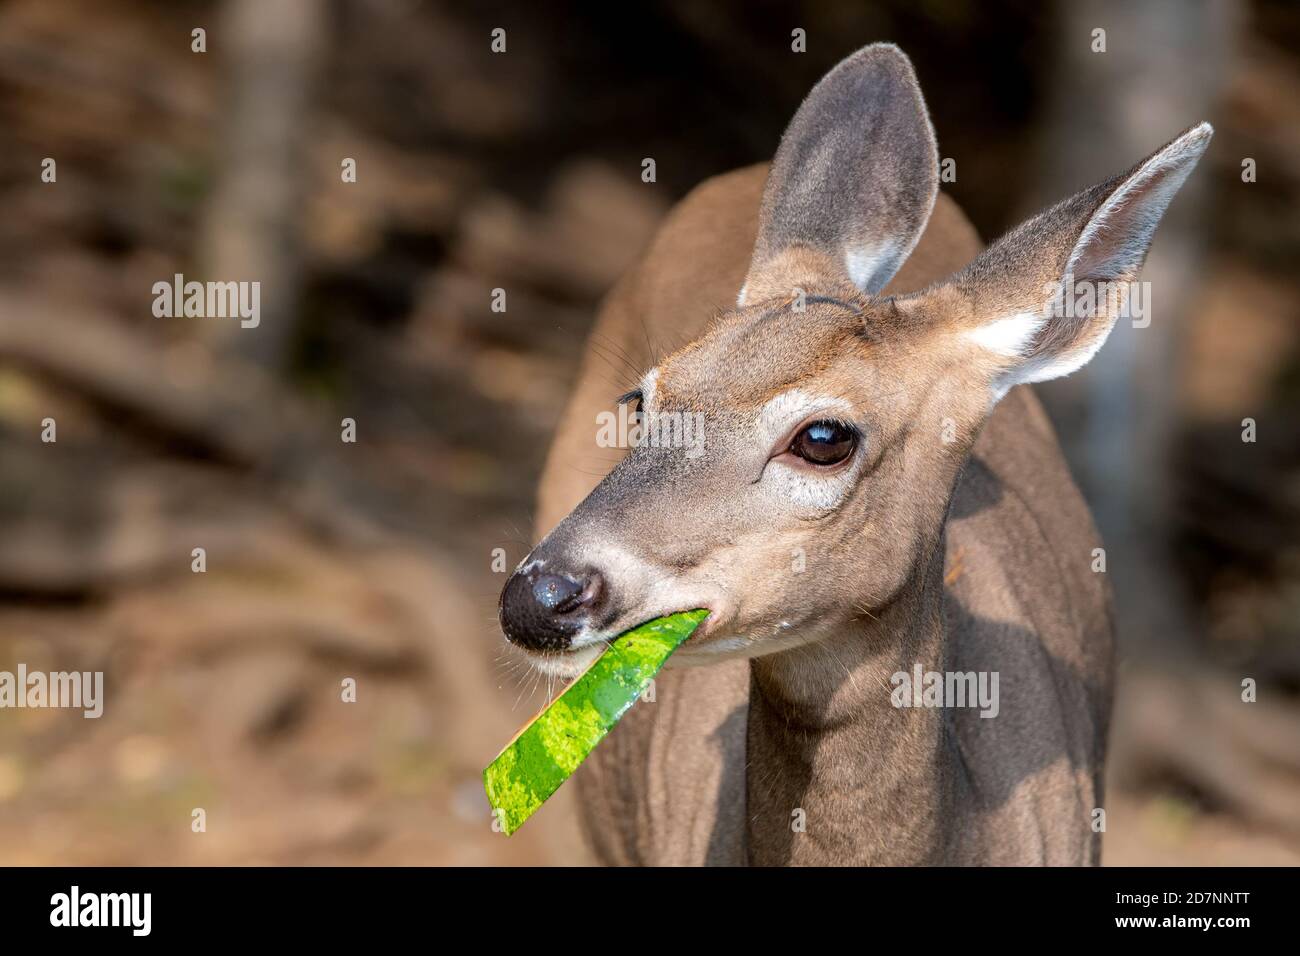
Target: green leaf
x=546 y=752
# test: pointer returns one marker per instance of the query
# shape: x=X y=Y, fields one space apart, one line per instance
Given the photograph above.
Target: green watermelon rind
x=548 y=750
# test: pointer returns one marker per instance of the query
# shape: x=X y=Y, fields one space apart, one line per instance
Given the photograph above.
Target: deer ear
x=855 y=177
x=1047 y=294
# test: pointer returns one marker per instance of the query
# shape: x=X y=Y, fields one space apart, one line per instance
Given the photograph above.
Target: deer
x=878 y=493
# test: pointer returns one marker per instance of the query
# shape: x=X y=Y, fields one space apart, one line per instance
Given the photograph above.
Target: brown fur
x=952 y=538
x=669 y=785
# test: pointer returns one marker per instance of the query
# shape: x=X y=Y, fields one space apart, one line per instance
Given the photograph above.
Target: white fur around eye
x=807 y=488
x=804 y=486
x=648 y=383
x=782 y=412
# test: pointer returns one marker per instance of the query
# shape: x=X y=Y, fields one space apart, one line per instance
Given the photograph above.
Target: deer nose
x=542 y=612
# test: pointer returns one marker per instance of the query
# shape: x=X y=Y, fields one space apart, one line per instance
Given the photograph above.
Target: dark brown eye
x=824 y=443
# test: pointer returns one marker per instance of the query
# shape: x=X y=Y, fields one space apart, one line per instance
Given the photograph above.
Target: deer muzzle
x=542 y=610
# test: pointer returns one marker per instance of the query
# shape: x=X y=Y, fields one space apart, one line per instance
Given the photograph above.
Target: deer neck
x=835 y=771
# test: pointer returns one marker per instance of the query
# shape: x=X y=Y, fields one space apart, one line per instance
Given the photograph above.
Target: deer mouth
x=565 y=664
x=706 y=627
x=590 y=643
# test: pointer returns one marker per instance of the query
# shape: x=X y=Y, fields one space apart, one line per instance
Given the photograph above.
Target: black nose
x=543 y=611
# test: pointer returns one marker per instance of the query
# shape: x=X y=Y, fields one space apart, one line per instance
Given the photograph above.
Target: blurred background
x=521 y=170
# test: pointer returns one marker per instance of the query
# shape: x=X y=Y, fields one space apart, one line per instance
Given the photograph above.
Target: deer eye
x=628 y=398
x=824 y=443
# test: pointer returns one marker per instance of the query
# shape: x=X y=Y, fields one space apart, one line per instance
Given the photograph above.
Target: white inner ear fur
x=1119 y=255
x=870 y=266
x=1110 y=249
x=1009 y=336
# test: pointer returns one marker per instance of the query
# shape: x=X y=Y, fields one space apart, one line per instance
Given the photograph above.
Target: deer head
x=835 y=419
